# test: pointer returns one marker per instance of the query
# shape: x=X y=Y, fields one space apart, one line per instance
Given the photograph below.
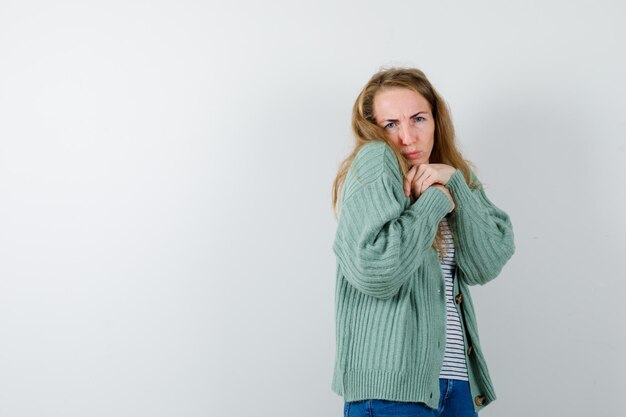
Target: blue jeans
x=455 y=401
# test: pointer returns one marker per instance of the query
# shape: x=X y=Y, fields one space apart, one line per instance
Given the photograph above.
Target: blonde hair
x=366 y=130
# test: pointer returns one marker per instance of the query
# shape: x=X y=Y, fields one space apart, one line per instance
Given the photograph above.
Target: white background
x=165 y=215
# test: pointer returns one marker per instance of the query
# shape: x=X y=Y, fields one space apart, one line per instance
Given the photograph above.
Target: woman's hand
x=420 y=177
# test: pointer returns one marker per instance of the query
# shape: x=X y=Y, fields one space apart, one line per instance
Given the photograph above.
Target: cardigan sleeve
x=484 y=232
x=379 y=243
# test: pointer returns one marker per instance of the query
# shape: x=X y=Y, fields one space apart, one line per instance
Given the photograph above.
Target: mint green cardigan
x=389 y=300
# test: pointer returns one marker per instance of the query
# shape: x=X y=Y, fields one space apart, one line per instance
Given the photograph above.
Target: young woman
x=415 y=231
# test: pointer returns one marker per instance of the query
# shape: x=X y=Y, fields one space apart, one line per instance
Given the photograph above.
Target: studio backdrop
x=165 y=197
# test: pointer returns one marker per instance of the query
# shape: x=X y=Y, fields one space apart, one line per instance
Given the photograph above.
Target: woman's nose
x=407 y=136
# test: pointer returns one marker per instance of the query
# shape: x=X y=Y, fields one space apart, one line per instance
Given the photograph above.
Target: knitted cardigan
x=390 y=294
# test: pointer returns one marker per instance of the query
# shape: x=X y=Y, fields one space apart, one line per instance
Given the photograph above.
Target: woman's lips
x=413 y=155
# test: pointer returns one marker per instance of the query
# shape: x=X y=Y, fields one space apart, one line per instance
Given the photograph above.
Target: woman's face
x=407 y=118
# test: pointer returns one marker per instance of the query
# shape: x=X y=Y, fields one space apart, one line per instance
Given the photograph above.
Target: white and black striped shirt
x=454 y=366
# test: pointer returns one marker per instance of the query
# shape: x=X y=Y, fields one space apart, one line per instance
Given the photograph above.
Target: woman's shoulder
x=375 y=149
x=375 y=164
x=373 y=160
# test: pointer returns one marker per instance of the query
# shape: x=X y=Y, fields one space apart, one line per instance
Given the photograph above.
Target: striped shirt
x=454 y=366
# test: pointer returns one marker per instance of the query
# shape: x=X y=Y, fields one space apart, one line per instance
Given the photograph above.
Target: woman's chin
x=416 y=162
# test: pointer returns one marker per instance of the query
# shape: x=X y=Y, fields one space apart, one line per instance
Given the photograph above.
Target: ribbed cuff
x=434 y=202
x=466 y=201
x=459 y=187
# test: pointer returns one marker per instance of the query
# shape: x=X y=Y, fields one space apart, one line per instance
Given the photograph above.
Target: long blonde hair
x=366 y=130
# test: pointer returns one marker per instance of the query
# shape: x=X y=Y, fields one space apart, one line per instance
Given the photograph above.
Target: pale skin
x=407 y=119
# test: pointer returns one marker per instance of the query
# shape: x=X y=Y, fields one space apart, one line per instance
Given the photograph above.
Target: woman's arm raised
x=379 y=243
x=484 y=232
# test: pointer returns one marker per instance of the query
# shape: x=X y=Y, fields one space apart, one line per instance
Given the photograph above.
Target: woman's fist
x=420 y=177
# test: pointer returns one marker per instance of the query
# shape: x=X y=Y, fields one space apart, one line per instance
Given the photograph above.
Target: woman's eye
x=419 y=118
x=389 y=125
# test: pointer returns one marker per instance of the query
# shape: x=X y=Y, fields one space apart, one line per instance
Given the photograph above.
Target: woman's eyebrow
x=416 y=114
